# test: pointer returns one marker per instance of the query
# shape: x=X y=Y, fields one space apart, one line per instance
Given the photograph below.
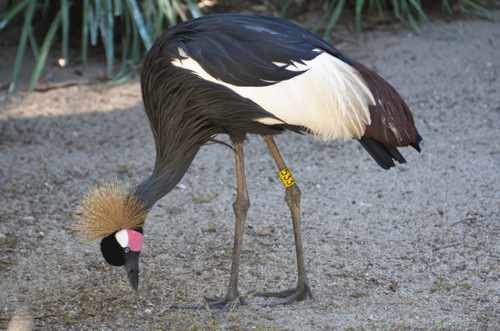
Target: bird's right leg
x=292 y=198
x=240 y=207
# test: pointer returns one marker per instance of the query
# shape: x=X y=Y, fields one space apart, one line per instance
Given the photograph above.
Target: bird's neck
x=164 y=179
x=177 y=104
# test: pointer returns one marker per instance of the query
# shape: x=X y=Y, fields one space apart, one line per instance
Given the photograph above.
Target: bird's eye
x=127 y=249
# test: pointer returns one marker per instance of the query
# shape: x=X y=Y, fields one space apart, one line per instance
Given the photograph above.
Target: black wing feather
x=241 y=49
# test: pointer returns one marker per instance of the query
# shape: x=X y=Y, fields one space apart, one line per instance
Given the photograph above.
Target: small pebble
x=21 y=321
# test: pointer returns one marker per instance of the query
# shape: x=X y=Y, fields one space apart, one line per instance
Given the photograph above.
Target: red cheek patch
x=135 y=240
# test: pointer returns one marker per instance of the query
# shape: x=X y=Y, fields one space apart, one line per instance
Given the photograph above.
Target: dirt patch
x=415 y=247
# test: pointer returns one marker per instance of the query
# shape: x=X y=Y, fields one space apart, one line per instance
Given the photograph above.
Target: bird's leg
x=292 y=198
x=240 y=207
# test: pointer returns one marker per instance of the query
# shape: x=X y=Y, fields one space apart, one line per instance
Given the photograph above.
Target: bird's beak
x=132 y=266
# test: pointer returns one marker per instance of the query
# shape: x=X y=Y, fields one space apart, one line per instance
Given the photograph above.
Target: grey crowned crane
x=238 y=74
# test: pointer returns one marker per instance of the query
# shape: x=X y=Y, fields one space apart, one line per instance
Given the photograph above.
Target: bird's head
x=123 y=248
x=109 y=213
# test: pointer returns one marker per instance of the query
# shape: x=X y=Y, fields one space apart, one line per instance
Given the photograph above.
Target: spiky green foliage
x=406 y=11
x=139 y=23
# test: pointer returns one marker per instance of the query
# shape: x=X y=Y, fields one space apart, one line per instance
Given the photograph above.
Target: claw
x=222 y=306
x=301 y=292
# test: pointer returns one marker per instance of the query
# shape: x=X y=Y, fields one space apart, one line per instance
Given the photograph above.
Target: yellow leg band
x=286 y=177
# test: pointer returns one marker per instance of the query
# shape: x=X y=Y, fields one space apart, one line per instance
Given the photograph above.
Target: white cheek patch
x=122 y=238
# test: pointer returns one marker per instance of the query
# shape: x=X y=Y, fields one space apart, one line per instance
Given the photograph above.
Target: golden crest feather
x=108 y=208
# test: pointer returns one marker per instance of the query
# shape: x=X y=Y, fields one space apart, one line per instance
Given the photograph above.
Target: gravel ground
x=416 y=247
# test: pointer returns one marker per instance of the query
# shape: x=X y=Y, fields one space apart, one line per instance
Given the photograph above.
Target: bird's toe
x=302 y=292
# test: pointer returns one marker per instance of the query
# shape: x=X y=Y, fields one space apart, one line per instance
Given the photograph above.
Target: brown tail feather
x=392 y=122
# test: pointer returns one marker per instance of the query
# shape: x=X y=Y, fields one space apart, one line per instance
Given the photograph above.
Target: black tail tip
x=416 y=144
x=381 y=153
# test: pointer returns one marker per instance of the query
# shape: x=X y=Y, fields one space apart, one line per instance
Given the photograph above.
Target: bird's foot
x=218 y=306
x=301 y=292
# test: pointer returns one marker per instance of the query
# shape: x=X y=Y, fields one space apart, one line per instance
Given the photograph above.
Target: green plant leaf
x=284 y=8
x=416 y=4
x=168 y=11
x=117 y=7
x=139 y=22
x=179 y=10
x=334 y=18
x=65 y=28
x=107 y=34
x=44 y=51
x=474 y=5
x=13 y=12
x=359 y=7
x=395 y=5
x=193 y=8
x=28 y=15
x=446 y=6
x=93 y=22
x=85 y=33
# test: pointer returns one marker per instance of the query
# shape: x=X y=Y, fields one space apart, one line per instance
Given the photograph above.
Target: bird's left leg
x=292 y=198
x=240 y=207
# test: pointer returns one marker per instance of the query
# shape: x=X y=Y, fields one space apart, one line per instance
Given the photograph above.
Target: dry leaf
x=265 y=231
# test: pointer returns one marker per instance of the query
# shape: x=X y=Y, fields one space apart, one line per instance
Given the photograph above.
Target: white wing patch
x=331 y=99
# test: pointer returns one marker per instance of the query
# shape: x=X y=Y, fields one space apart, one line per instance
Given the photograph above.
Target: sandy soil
x=416 y=247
